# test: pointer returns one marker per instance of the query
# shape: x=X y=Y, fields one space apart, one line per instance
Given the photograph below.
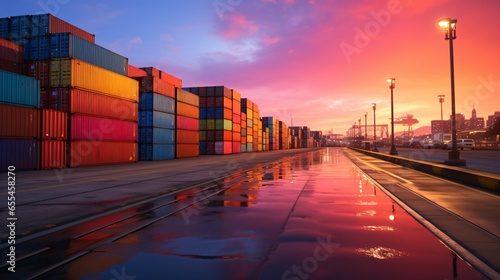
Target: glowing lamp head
x=392 y=82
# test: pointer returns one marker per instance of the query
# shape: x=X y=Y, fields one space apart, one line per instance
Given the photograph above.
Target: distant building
x=491 y=119
x=474 y=122
x=440 y=127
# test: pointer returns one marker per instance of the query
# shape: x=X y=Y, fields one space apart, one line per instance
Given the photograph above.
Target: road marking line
x=385 y=171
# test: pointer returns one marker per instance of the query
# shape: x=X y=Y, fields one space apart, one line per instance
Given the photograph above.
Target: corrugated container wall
x=53 y=154
x=102 y=152
x=99 y=129
x=76 y=73
x=11 y=57
x=19 y=122
x=54 y=125
x=66 y=45
x=19 y=90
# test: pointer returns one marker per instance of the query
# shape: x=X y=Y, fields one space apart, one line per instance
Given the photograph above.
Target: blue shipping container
x=23 y=154
x=4 y=28
x=156 y=119
x=19 y=90
x=219 y=113
x=67 y=45
x=156 y=135
x=156 y=102
x=156 y=151
x=211 y=113
x=203 y=148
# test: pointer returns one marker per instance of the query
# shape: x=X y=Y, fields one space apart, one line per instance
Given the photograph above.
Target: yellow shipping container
x=75 y=73
x=211 y=124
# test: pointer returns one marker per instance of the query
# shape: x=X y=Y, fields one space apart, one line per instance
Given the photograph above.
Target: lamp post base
x=454 y=159
x=393 y=151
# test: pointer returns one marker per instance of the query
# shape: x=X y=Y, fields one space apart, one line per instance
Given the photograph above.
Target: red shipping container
x=19 y=122
x=187 y=137
x=236 y=119
x=80 y=101
x=237 y=137
x=164 y=76
x=57 y=25
x=136 y=72
x=236 y=107
x=187 y=123
x=150 y=84
x=13 y=67
x=102 y=129
x=236 y=127
x=236 y=147
x=187 y=150
x=11 y=52
x=84 y=153
x=53 y=154
x=54 y=124
x=39 y=69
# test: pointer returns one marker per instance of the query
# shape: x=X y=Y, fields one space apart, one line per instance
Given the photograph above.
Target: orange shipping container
x=228 y=114
x=53 y=154
x=19 y=122
x=79 y=74
x=187 y=97
x=164 y=76
x=54 y=125
x=187 y=136
x=187 y=150
x=135 y=72
x=187 y=110
x=236 y=95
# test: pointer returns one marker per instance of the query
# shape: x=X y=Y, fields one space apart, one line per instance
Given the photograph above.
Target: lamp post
x=392 y=85
x=441 y=100
x=366 y=132
x=450 y=26
x=359 y=131
x=374 y=106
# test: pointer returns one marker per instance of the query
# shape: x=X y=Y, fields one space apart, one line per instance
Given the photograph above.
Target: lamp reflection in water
x=392 y=217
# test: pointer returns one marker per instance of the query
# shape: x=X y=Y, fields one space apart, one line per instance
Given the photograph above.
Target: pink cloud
x=239 y=26
x=271 y=40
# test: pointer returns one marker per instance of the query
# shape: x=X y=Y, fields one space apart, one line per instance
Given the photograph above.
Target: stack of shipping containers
x=187 y=118
x=157 y=114
x=247 y=107
x=317 y=137
x=20 y=121
x=295 y=137
x=87 y=82
x=272 y=124
x=216 y=119
x=257 y=131
x=236 y=122
x=244 y=135
x=53 y=139
x=307 y=141
x=283 y=136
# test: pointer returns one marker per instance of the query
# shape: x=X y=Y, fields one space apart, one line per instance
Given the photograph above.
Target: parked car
x=462 y=144
x=427 y=143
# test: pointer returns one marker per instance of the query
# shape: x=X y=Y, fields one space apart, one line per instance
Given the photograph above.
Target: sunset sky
x=323 y=61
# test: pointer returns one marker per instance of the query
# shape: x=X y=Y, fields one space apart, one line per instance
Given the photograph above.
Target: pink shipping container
x=54 y=125
x=84 y=153
x=39 y=69
x=102 y=129
x=80 y=101
x=187 y=123
x=19 y=122
x=53 y=154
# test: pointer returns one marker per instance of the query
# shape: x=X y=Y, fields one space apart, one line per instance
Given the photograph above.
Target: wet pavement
x=313 y=216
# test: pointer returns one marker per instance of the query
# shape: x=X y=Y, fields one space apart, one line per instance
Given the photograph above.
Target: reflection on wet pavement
x=315 y=216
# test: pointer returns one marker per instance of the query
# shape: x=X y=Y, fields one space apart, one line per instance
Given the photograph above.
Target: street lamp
x=441 y=100
x=374 y=106
x=450 y=26
x=359 y=131
x=392 y=85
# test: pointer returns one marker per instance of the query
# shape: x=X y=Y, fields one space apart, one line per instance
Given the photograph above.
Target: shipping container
x=19 y=90
x=135 y=72
x=73 y=100
x=187 y=136
x=236 y=147
x=53 y=154
x=156 y=85
x=4 y=27
x=187 y=123
x=156 y=119
x=102 y=129
x=86 y=152
x=156 y=135
x=28 y=26
x=10 y=51
x=164 y=76
x=156 y=151
x=20 y=122
x=203 y=148
x=223 y=147
x=187 y=150
x=187 y=110
x=157 y=102
x=67 y=45
x=187 y=97
x=39 y=69
x=13 y=67
x=79 y=74
x=21 y=153
x=54 y=125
